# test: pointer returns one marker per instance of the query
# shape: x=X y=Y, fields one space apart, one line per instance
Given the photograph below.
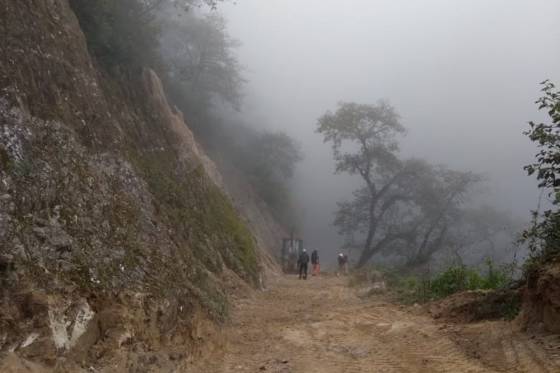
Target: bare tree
x=363 y=139
x=405 y=207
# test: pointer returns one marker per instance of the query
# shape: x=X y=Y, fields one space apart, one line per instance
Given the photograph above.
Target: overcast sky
x=463 y=74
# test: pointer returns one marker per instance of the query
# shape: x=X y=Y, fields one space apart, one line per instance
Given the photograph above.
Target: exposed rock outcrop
x=118 y=248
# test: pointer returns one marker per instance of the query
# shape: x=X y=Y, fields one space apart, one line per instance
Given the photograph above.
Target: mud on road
x=322 y=326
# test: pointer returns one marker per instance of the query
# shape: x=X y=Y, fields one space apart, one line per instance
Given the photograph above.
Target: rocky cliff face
x=118 y=246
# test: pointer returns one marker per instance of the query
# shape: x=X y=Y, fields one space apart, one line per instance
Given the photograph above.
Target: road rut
x=322 y=326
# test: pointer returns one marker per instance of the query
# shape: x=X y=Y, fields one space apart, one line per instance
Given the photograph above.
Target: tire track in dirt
x=528 y=358
x=502 y=347
x=321 y=326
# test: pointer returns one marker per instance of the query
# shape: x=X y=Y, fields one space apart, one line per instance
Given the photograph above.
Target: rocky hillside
x=119 y=248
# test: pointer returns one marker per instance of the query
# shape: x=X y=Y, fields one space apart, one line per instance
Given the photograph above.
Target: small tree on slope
x=544 y=236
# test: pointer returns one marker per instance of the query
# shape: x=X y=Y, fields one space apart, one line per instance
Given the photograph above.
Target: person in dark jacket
x=315 y=263
x=303 y=260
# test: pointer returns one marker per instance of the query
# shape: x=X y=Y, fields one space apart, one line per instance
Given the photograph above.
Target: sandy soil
x=322 y=326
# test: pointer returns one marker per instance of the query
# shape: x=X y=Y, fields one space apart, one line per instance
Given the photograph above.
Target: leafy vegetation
x=456 y=278
x=543 y=237
x=461 y=278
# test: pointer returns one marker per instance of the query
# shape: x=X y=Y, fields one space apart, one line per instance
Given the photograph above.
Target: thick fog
x=463 y=75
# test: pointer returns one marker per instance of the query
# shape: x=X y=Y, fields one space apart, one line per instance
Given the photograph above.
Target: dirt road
x=322 y=326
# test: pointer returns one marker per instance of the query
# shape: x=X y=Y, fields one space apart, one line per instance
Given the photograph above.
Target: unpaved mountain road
x=322 y=326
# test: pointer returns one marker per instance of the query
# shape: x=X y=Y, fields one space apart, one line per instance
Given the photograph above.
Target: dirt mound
x=541 y=299
x=477 y=305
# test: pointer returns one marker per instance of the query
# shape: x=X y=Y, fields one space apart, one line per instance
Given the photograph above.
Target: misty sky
x=463 y=74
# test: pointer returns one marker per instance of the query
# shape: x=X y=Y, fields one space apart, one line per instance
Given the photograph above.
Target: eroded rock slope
x=118 y=246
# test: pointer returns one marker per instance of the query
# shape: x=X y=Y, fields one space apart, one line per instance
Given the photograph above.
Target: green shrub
x=496 y=278
x=543 y=236
x=418 y=289
x=414 y=289
x=455 y=279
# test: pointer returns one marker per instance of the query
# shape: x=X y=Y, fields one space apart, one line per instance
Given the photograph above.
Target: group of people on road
x=303 y=263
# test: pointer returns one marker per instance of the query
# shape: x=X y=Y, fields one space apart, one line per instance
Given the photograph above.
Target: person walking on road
x=315 y=263
x=302 y=263
x=342 y=264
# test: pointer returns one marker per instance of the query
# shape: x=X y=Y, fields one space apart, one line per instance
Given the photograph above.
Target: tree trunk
x=371 y=233
x=425 y=253
x=367 y=255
